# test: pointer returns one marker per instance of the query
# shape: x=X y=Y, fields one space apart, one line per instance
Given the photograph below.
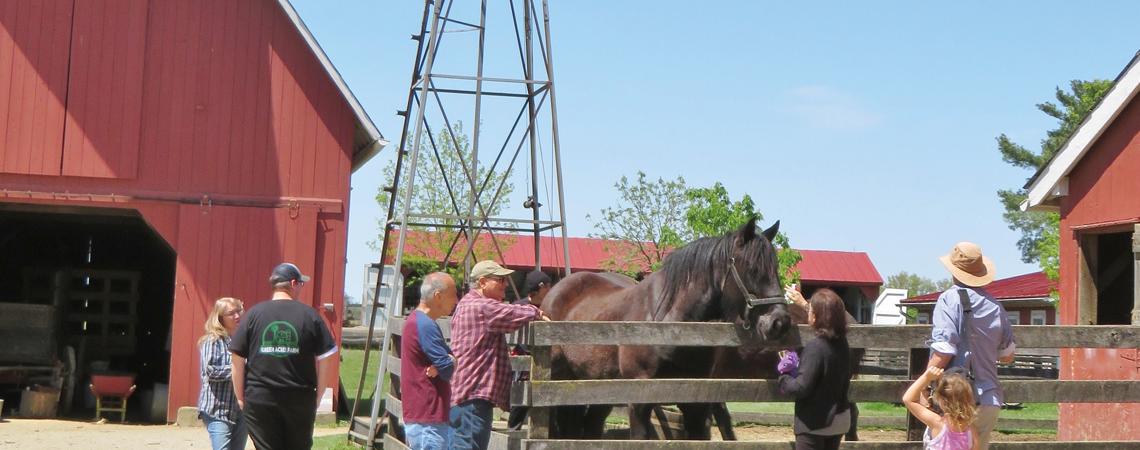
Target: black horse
x=731 y=278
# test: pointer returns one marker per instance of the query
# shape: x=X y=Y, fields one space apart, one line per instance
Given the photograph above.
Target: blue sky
x=860 y=128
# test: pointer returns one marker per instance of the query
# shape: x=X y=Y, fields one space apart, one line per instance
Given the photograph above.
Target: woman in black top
x=823 y=376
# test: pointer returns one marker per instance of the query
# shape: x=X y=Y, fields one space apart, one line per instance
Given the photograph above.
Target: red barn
x=1027 y=300
x=1093 y=183
x=156 y=155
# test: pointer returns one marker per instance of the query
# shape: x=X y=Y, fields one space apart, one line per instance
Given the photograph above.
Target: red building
x=1026 y=299
x=1093 y=183
x=156 y=155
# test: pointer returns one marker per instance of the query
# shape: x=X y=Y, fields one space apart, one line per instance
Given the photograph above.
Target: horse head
x=751 y=294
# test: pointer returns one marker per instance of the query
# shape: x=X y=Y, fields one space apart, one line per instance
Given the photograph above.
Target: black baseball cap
x=535 y=278
x=287 y=272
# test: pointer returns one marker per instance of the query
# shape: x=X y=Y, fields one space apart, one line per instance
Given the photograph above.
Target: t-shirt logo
x=280 y=340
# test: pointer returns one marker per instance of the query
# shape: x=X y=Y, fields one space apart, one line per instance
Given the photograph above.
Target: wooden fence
x=541 y=393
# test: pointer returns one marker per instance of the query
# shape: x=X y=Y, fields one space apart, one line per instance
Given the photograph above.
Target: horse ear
x=747 y=232
x=771 y=232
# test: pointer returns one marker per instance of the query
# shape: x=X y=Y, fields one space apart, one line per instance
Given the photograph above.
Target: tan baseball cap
x=966 y=263
x=488 y=268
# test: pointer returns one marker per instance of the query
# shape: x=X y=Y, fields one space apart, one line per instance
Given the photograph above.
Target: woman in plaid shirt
x=217 y=404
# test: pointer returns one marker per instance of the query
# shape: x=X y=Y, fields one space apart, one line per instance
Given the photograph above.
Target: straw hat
x=966 y=263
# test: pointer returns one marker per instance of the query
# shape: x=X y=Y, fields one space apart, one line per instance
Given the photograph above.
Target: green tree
x=647 y=222
x=654 y=217
x=1039 y=230
x=917 y=285
x=711 y=212
x=435 y=171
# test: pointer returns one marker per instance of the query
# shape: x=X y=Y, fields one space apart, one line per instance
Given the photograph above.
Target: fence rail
x=701 y=334
x=893 y=350
x=541 y=393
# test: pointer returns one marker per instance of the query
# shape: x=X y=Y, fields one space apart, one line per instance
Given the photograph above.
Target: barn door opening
x=106 y=278
x=1108 y=277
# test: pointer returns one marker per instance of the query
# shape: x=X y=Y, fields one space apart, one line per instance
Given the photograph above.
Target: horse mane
x=705 y=262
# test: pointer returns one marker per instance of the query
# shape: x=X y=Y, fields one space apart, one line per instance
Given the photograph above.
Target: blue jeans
x=428 y=436
x=224 y=435
x=471 y=425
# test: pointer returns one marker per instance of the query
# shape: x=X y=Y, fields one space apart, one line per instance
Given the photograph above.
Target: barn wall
x=1103 y=190
x=221 y=97
x=34 y=44
x=164 y=102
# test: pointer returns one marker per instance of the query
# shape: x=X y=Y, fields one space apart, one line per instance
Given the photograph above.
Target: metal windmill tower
x=467 y=67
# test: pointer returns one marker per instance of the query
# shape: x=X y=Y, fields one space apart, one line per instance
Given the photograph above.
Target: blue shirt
x=990 y=337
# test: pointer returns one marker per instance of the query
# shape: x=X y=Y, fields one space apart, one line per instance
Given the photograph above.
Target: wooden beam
x=539 y=418
x=704 y=334
x=391 y=443
x=1135 y=275
x=917 y=361
x=505 y=440
x=610 y=392
x=393 y=365
x=394 y=406
x=396 y=324
x=733 y=445
x=1087 y=295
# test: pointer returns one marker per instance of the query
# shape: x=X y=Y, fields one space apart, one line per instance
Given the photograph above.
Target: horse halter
x=751 y=301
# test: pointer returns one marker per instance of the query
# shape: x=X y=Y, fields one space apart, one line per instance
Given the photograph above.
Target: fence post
x=918 y=360
x=539 y=418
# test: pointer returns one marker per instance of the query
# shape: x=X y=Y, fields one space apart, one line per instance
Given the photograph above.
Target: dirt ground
x=63 y=434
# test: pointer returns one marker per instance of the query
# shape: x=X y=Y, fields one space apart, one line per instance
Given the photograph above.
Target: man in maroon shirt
x=482 y=376
x=426 y=366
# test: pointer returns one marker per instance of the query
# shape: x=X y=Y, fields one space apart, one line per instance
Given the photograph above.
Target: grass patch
x=333 y=442
x=351 y=361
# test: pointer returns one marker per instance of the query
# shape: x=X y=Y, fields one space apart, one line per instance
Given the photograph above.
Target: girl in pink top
x=952 y=430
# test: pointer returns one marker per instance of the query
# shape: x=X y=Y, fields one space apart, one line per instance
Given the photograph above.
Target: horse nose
x=778 y=327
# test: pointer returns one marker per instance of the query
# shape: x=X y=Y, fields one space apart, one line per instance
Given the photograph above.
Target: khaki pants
x=987 y=419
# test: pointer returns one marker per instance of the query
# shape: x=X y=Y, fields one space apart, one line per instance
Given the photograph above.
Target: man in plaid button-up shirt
x=483 y=373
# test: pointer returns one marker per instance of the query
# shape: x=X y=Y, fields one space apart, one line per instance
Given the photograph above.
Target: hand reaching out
x=795 y=296
x=932 y=373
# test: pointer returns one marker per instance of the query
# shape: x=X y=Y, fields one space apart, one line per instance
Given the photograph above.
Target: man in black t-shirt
x=281 y=360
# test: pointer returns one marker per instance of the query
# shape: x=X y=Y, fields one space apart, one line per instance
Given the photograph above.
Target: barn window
x=922 y=318
x=1107 y=274
x=1014 y=317
x=1037 y=317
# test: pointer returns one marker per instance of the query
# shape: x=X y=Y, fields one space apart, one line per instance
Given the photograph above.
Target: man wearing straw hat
x=986 y=338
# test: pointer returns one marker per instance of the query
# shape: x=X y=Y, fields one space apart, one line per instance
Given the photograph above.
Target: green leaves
x=668 y=214
x=917 y=285
x=1039 y=230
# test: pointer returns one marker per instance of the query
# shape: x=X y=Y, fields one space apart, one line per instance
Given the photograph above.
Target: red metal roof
x=590 y=255
x=837 y=268
x=1030 y=285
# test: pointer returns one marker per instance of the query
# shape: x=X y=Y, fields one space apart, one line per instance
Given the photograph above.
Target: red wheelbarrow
x=111 y=394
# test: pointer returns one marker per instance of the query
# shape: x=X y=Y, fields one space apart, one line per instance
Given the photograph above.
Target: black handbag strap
x=964 y=329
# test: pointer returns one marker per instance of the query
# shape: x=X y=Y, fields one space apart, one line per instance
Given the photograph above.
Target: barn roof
x=368 y=140
x=1051 y=182
x=1022 y=287
x=591 y=254
x=838 y=268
